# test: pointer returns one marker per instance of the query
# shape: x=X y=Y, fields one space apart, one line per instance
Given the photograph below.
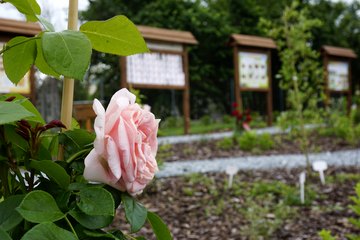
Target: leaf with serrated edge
x=53 y=171
x=46 y=231
x=135 y=213
x=11 y=112
x=160 y=229
x=30 y=8
x=39 y=206
x=117 y=35
x=67 y=53
x=19 y=57
x=96 y=201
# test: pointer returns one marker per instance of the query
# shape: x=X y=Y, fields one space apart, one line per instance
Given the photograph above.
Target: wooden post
x=269 y=93
x=123 y=83
x=186 y=93
x=326 y=78
x=349 y=96
x=237 y=79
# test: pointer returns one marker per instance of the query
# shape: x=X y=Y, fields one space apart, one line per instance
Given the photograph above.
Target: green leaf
x=46 y=231
x=29 y=8
x=91 y=221
x=39 y=206
x=4 y=235
x=9 y=217
x=54 y=171
x=11 y=112
x=96 y=201
x=117 y=35
x=135 y=213
x=102 y=235
x=27 y=105
x=19 y=57
x=41 y=63
x=76 y=140
x=67 y=53
x=46 y=24
x=160 y=229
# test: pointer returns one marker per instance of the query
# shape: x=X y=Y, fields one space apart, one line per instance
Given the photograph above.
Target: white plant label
x=231 y=171
x=302 y=179
x=320 y=166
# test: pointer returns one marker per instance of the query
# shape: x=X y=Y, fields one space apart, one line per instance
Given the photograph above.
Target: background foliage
x=211 y=22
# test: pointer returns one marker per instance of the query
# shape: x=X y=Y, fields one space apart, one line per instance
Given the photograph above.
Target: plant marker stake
x=320 y=166
x=302 y=187
x=68 y=86
x=231 y=171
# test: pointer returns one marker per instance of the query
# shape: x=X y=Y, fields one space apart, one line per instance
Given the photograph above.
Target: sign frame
x=337 y=54
x=165 y=36
x=252 y=44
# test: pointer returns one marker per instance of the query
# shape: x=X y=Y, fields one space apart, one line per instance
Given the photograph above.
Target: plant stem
x=6 y=48
x=72 y=228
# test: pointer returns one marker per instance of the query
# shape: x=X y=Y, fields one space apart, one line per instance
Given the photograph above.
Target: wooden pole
x=237 y=78
x=67 y=99
x=269 y=93
x=186 y=93
x=68 y=87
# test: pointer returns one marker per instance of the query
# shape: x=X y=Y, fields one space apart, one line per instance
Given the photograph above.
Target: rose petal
x=94 y=170
x=113 y=158
x=99 y=126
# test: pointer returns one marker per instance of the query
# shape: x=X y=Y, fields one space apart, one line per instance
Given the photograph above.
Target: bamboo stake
x=68 y=86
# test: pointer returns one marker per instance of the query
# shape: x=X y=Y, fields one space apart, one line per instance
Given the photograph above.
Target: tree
x=301 y=72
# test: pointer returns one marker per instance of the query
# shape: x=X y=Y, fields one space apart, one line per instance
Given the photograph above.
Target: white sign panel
x=6 y=86
x=155 y=69
x=338 y=76
x=253 y=70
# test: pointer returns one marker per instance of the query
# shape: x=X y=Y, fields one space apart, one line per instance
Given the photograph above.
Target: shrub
x=205 y=120
x=225 y=144
x=247 y=141
x=265 y=142
x=227 y=119
x=250 y=141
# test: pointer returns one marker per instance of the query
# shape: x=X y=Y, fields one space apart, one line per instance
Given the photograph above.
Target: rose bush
x=43 y=191
x=125 y=146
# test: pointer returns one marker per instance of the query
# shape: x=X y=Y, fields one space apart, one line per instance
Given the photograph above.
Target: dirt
x=283 y=144
x=260 y=204
x=203 y=207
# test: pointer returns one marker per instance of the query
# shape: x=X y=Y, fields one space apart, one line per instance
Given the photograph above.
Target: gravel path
x=340 y=158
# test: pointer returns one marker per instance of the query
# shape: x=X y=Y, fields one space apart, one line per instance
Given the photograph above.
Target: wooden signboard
x=337 y=67
x=165 y=67
x=252 y=67
x=9 y=29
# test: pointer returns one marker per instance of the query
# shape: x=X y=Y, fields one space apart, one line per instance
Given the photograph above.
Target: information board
x=338 y=75
x=253 y=70
x=6 y=86
x=155 y=69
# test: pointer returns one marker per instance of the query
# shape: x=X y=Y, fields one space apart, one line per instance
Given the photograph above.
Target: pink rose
x=125 y=146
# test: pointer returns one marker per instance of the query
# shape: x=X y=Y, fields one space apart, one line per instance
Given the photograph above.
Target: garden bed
x=260 y=205
x=281 y=144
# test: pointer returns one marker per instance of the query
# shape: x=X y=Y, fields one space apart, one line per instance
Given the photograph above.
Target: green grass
x=196 y=127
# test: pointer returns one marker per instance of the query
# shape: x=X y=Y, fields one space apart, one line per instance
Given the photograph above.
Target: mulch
x=283 y=144
x=202 y=207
